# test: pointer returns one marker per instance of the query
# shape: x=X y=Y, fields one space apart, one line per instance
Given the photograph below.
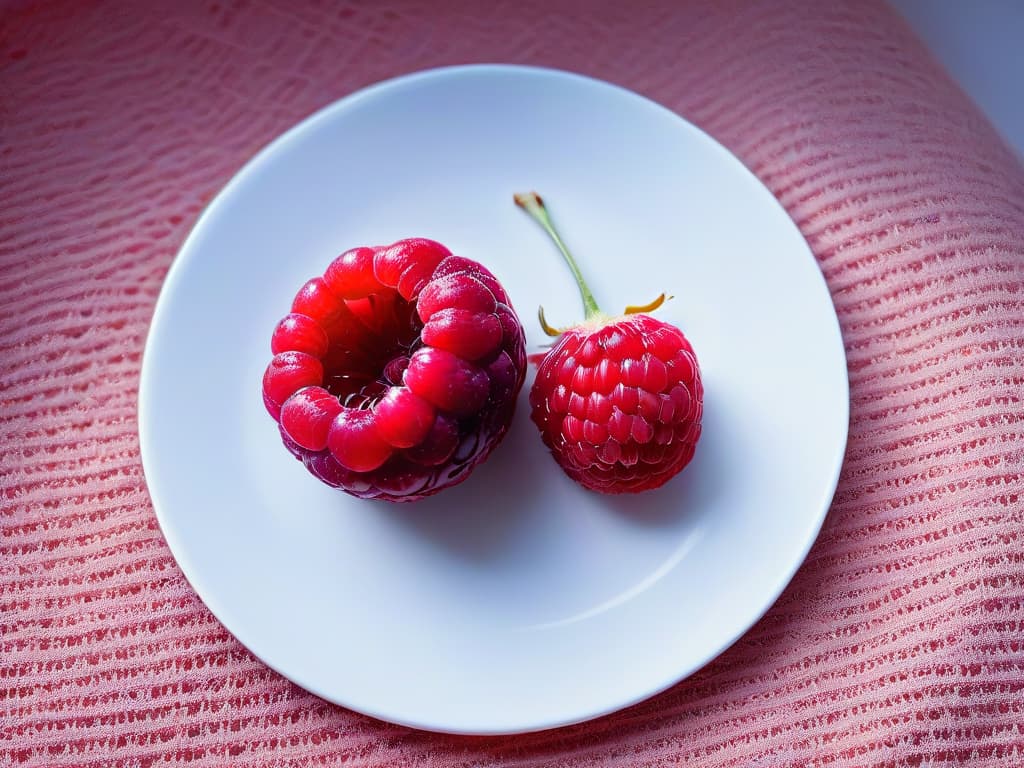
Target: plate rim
x=230 y=188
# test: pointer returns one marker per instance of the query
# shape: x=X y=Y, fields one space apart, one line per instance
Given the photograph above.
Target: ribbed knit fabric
x=900 y=641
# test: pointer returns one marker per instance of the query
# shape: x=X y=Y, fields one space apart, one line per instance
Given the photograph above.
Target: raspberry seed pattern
x=396 y=371
x=618 y=400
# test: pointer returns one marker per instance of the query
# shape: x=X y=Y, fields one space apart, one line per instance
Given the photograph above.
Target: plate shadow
x=483 y=516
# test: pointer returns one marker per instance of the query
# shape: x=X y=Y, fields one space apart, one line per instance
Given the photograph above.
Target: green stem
x=531 y=203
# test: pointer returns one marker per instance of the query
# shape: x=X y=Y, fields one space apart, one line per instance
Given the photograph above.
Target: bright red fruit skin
x=620 y=405
x=396 y=371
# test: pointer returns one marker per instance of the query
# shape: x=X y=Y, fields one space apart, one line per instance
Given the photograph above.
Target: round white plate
x=516 y=601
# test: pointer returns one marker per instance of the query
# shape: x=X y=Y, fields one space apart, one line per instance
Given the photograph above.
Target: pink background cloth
x=900 y=641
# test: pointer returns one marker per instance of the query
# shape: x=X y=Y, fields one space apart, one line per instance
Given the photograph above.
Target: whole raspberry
x=397 y=371
x=618 y=401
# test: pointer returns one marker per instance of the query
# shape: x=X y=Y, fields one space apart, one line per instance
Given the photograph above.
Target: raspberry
x=397 y=371
x=618 y=401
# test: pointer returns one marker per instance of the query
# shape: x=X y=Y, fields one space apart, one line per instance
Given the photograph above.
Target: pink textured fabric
x=899 y=642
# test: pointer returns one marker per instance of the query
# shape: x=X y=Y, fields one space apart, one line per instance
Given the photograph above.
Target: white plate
x=516 y=601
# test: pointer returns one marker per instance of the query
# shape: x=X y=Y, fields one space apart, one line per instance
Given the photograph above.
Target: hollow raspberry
x=397 y=371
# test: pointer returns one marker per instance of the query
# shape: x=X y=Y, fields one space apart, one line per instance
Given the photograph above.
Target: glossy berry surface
x=618 y=401
x=620 y=405
x=396 y=371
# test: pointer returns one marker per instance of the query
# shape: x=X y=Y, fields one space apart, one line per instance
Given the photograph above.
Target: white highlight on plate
x=634 y=591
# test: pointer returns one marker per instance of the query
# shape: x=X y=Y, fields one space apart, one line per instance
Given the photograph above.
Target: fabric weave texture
x=900 y=642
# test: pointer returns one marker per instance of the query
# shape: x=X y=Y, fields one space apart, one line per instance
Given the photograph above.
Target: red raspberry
x=618 y=401
x=397 y=371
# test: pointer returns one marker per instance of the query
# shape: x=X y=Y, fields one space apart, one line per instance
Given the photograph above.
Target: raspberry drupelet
x=397 y=371
x=618 y=401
